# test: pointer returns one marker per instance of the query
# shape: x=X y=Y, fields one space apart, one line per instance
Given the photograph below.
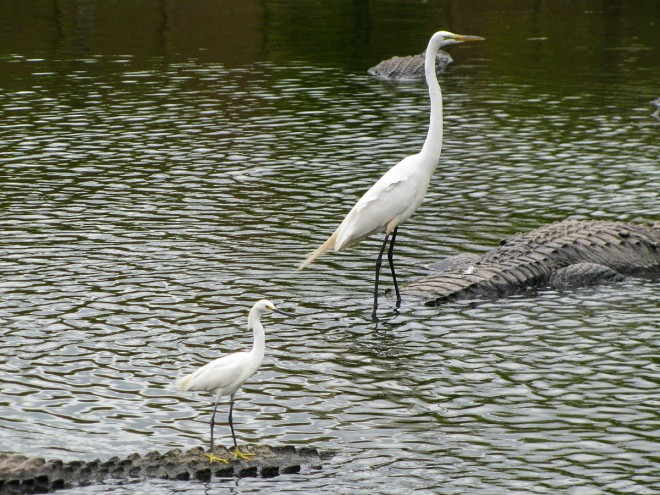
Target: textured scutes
x=410 y=67
x=461 y=261
x=586 y=273
x=20 y=474
x=601 y=251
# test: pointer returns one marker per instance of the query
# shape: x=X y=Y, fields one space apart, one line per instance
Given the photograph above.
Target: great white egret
x=227 y=374
x=400 y=191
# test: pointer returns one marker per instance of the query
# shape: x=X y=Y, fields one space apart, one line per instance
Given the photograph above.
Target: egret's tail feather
x=326 y=246
x=184 y=382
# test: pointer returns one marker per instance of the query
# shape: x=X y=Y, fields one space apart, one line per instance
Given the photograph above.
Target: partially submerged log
x=408 y=68
x=563 y=254
x=21 y=475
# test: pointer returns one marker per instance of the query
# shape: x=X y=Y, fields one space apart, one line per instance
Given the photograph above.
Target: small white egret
x=400 y=191
x=227 y=374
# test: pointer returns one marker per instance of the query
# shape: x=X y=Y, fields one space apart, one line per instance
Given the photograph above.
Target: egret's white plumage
x=400 y=191
x=227 y=374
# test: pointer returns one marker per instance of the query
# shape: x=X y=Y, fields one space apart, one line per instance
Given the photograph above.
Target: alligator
x=409 y=68
x=560 y=255
x=22 y=475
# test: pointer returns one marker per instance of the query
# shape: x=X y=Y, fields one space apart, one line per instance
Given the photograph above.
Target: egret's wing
x=221 y=373
x=395 y=196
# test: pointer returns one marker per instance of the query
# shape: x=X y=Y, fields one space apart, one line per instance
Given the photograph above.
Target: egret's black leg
x=213 y=420
x=211 y=456
x=379 y=262
x=390 y=257
x=237 y=453
x=231 y=421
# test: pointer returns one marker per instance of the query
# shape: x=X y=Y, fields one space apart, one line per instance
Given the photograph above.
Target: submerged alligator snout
x=563 y=254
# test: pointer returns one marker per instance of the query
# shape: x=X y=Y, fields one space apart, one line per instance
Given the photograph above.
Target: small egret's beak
x=460 y=38
x=275 y=310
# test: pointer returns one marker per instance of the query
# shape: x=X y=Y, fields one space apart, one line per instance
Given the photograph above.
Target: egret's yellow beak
x=460 y=38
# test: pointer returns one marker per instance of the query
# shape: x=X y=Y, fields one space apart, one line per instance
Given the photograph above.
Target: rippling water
x=144 y=211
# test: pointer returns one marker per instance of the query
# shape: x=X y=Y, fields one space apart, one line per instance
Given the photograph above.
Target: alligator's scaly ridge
x=22 y=475
x=562 y=254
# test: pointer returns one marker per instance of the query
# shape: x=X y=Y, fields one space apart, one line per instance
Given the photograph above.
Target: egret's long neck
x=433 y=144
x=259 y=346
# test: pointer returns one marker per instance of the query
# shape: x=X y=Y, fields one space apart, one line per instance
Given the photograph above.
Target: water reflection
x=144 y=211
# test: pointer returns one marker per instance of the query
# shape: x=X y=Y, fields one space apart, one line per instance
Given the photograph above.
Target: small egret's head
x=446 y=38
x=265 y=305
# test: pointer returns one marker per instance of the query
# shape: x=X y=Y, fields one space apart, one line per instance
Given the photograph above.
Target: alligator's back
x=573 y=248
x=408 y=68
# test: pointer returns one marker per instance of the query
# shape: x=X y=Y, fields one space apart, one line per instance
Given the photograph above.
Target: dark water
x=166 y=164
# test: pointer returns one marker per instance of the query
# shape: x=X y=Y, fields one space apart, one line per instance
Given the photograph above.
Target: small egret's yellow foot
x=240 y=455
x=213 y=458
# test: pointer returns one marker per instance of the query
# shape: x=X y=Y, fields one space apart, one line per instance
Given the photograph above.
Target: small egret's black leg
x=231 y=421
x=390 y=257
x=379 y=262
x=213 y=419
x=211 y=456
x=237 y=453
